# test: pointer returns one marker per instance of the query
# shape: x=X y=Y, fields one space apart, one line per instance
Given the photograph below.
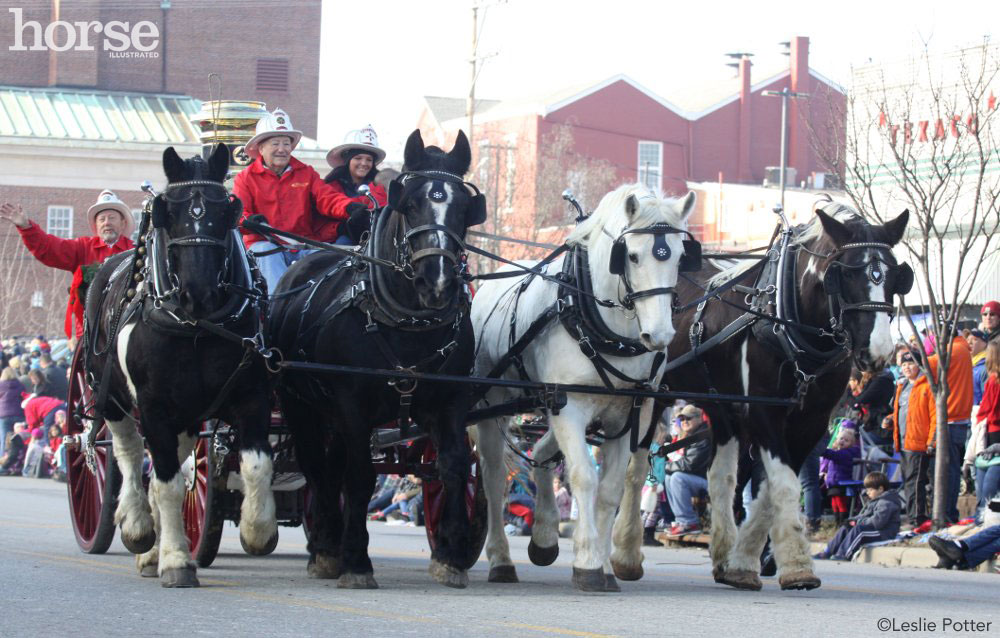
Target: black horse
x=833 y=302
x=410 y=314
x=175 y=346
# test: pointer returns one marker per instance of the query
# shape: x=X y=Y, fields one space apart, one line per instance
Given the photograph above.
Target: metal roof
x=102 y=116
x=109 y=116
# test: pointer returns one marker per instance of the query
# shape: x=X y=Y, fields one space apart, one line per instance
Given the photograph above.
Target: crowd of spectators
x=34 y=388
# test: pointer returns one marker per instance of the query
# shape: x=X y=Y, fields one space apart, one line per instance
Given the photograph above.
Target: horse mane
x=802 y=235
x=654 y=208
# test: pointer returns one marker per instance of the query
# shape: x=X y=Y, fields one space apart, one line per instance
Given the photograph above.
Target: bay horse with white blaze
x=614 y=321
x=823 y=298
x=404 y=309
x=177 y=351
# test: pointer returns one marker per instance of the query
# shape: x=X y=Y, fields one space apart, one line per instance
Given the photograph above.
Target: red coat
x=326 y=228
x=288 y=201
x=72 y=255
x=38 y=408
x=989 y=408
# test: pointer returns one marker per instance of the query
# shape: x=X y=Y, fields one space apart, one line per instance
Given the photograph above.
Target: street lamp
x=784 y=94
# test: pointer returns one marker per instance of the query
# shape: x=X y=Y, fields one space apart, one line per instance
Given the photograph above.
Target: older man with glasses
x=990 y=322
x=685 y=477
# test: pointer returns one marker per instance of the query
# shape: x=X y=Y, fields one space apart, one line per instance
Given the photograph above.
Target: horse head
x=643 y=239
x=197 y=216
x=855 y=278
x=437 y=206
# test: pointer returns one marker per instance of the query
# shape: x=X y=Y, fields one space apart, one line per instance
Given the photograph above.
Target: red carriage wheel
x=475 y=504
x=92 y=486
x=203 y=518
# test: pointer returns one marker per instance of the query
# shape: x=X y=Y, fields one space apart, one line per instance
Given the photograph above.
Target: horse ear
x=173 y=165
x=894 y=228
x=461 y=153
x=688 y=205
x=218 y=162
x=235 y=209
x=161 y=214
x=836 y=230
x=414 y=150
x=631 y=206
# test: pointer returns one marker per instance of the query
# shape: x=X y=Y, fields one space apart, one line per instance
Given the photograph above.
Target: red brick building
x=619 y=129
x=74 y=122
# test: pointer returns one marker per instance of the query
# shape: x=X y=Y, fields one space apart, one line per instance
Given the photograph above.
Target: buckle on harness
x=358 y=288
x=587 y=348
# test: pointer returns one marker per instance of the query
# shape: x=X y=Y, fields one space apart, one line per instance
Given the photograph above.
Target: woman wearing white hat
x=111 y=223
x=283 y=190
x=354 y=163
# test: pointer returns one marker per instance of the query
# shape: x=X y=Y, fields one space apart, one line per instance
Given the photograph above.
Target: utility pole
x=470 y=103
x=784 y=94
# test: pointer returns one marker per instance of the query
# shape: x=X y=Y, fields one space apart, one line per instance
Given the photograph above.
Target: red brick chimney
x=798 y=132
x=743 y=174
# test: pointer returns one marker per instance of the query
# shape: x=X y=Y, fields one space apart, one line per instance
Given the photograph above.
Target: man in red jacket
x=283 y=190
x=111 y=223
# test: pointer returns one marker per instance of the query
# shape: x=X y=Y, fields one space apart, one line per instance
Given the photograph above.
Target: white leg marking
x=152 y=557
x=791 y=549
x=721 y=489
x=133 y=513
x=545 y=531
x=174 y=552
x=491 y=458
x=257 y=513
x=610 y=487
x=753 y=533
x=568 y=426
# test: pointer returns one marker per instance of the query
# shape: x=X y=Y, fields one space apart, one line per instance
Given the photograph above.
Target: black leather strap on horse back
x=539 y=324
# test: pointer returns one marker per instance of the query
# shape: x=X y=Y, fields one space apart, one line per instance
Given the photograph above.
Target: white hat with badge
x=272 y=125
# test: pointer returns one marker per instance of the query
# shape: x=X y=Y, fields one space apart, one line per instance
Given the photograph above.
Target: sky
x=379 y=58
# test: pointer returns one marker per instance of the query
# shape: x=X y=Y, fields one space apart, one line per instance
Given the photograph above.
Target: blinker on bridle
x=875 y=270
x=690 y=260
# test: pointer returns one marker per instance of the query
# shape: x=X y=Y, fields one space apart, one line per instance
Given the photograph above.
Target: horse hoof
x=449 y=576
x=542 y=556
x=139 y=545
x=148 y=571
x=627 y=572
x=799 y=580
x=260 y=551
x=589 y=579
x=610 y=584
x=323 y=566
x=357 y=581
x=179 y=577
x=719 y=574
x=742 y=579
x=503 y=574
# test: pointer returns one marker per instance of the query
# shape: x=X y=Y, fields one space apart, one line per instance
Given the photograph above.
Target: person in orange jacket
x=959 y=413
x=283 y=192
x=913 y=424
x=355 y=163
x=111 y=223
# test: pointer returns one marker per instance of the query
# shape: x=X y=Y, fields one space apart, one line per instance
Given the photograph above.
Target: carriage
x=210 y=497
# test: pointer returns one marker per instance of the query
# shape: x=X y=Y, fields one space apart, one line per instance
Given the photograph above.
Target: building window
x=650 y=169
x=37 y=299
x=60 y=221
x=272 y=74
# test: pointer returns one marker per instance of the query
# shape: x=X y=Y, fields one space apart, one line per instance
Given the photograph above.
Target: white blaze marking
x=440 y=216
x=880 y=341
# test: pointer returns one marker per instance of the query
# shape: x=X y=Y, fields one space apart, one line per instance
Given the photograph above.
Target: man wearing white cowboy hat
x=282 y=190
x=111 y=223
x=354 y=164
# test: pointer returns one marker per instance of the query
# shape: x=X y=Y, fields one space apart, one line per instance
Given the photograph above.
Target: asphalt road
x=50 y=588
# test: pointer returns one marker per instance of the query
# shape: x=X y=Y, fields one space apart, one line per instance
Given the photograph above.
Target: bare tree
x=922 y=135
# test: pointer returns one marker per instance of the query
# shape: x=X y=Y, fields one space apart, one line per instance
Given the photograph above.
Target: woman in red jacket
x=354 y=163
x=283 y=190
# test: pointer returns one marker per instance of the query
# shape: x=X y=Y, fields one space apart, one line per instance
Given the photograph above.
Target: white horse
x=623 y=229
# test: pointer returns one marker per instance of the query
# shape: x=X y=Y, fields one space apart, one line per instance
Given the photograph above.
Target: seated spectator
x=685 y=477
x=13 y=460
x=837 y=466
x=383 y=496
x=519 y=515
x=564 y=501
x=913 y=424
x=967 y=553
x=408 y=488
x=56 y=450
x=654 y=493
x=36 y=459
x=878 y=521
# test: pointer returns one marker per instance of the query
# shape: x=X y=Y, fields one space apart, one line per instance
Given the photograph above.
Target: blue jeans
x=982 y=546
x=809 y=477
x=957 y=435
x=344 y=240
x=987 y=485
x=6 y=427
x=681 y=486
x=272 y=267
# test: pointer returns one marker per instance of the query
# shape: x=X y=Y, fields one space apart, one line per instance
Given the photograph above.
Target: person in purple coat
x=836 y=466
x=10 y=403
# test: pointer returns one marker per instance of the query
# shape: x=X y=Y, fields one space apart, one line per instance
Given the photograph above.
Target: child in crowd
x=564 y=501
x=13 y=459
x=37 y=461
x=837 y=465
x=877 y=521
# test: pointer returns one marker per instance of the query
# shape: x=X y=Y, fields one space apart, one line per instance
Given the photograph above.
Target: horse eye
x=633 y=258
